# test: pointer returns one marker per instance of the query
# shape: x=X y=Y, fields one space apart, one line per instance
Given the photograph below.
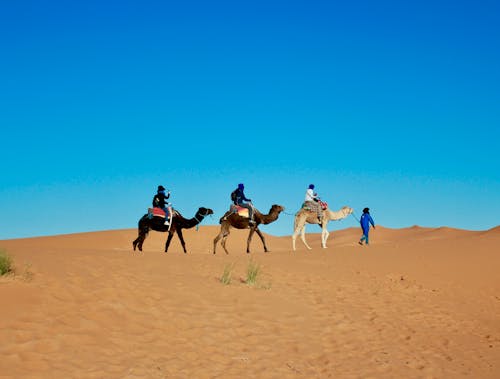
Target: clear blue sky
x=388 y=104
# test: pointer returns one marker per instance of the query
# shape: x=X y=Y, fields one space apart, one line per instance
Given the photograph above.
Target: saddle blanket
x=322 y=204
x=243 y=212
x=156 y=212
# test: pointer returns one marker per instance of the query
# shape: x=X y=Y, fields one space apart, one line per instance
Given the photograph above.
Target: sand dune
x=417 y=303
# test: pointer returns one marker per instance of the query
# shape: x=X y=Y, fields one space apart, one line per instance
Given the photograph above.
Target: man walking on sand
x=365 y=222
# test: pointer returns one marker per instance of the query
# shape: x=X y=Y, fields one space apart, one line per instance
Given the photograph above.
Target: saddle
x=243 y=212
x=158 y=212
x=322 y=204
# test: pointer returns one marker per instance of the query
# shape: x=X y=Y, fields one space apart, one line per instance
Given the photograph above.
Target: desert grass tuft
x=5 y=263
x=253 y=271
x=227 y=275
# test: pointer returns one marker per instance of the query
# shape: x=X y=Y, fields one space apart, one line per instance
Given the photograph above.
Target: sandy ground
x=416 y=303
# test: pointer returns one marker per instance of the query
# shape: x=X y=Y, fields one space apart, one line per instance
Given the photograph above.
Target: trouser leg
x=167 y=214
x=365 y=236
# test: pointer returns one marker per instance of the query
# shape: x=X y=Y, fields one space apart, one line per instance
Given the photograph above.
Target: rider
x=312 y=201
x=239 y=200
x=160 y=201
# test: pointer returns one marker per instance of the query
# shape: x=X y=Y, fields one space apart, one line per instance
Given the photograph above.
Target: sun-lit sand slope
x=417 y=303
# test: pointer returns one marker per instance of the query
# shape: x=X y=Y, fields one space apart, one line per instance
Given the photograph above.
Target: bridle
x=202 y=217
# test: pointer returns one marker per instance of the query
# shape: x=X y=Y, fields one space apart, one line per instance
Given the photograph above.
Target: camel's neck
x=338 y=215
x=198 y=217
x=267 y=219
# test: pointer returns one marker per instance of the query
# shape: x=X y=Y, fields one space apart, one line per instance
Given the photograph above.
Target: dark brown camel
x=231 y=219
x=177 y=224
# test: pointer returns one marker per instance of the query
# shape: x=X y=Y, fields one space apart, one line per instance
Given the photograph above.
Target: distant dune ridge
x=417 y=303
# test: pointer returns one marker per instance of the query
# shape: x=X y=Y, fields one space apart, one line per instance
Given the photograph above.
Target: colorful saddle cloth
x=158 y=212
x=308 y=206
x=323 y=204
x=243 y=212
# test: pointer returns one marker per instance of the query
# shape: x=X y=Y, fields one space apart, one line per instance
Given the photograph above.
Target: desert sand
x=416 y=303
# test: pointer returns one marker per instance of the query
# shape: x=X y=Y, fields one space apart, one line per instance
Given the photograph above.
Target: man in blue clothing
x=365 y=222
x=239 y=198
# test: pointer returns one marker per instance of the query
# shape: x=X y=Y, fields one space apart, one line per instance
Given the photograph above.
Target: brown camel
x=304 y=216
x=231 y=219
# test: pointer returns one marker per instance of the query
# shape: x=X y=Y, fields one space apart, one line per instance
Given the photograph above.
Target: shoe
x=251 y=222
x=166 y=223
x=361 y=243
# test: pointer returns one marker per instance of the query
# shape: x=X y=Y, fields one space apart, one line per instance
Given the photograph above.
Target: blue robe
x=365 y=222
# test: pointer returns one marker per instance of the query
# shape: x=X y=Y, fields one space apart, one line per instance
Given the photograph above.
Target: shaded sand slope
x=417 y=303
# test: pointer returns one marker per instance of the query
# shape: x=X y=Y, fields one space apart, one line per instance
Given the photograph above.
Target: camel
x=177 y=224
x=304 y=216
x=231 y=219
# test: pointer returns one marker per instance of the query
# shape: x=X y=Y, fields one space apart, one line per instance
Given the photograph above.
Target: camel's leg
x=299 y=228
x=252 y=231
x=179 y=233
x=216 y=239
x=224 y=239
x=139 y=240
x=143 y=230
x=136 y=241
x=262 y=238
x=294 y=237
x=143 y=238
x=224 y=232
x=324 y=236
x=167 y=244
x=303 y=236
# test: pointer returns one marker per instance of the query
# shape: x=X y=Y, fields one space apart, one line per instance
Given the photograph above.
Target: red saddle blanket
x=243 y=212
x=156 y=212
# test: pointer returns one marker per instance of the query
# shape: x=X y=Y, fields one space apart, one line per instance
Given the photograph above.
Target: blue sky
x=391 y=105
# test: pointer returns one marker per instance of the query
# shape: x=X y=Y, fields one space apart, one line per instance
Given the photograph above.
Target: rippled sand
x=417 y=303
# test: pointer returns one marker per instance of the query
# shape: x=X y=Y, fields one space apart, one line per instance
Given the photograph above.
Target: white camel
x=304 y=216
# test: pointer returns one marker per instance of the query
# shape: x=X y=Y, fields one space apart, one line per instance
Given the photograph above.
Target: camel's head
x=347 y=210
x=205 y=211
x=277 y=208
